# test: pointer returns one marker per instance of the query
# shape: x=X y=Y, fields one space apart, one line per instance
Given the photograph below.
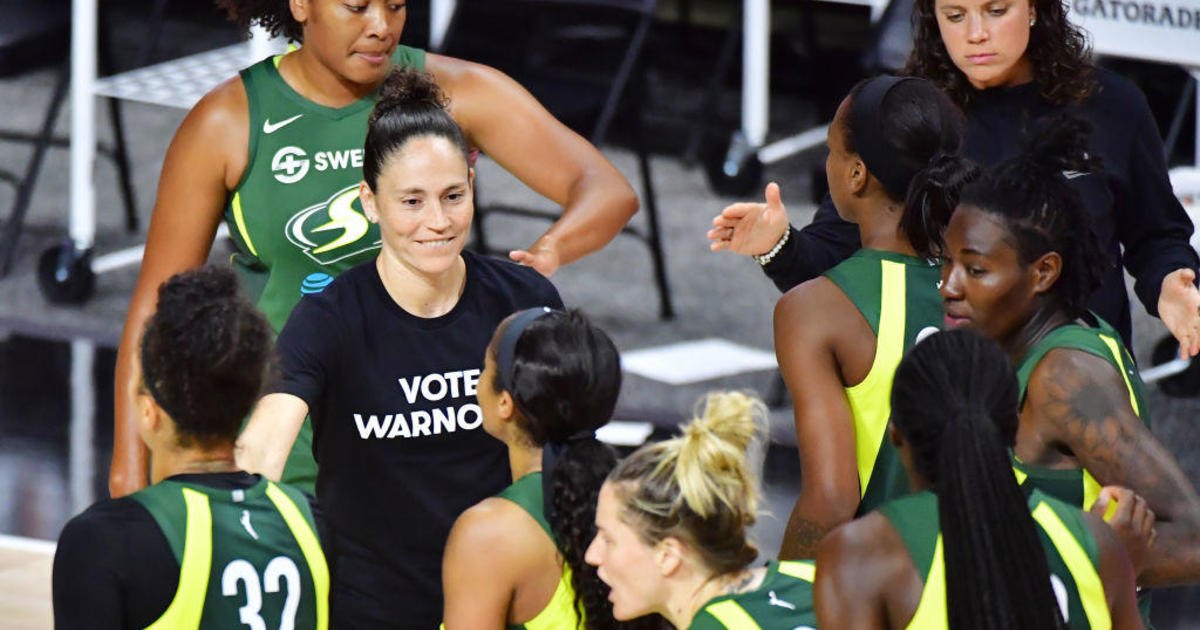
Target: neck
x=192 y=460
x=879 y=228
x=423 y=295
x=314 y=80
x=523 y=459
x=692 y=594
x=1035 y=328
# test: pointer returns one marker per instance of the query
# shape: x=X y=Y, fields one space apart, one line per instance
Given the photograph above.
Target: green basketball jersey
x=295 y=216
x=1071 y=554
x=246 y=557
x=898 y=296
x=560 y=612
x=1075 y=485
x=784 y=601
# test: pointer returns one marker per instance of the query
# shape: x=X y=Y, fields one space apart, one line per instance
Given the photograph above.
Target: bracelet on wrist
x=765 y=259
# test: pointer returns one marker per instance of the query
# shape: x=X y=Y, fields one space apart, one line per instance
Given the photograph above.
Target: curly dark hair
x=1058 y=51
x=1043 y=212
x=204 y=355
x=566 y=376
x=273 y=15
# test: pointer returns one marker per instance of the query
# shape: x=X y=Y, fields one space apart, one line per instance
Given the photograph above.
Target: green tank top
x=1075 y=485
x=560 y=611
x=898 y=296
x=246 y=557
x=784 y=601
x=1071 y=554
x=295 y=217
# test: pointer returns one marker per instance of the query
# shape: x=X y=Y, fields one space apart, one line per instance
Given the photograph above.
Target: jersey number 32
x=281 y=572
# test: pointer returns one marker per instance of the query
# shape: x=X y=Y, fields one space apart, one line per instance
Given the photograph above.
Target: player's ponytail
x=699 y=487
x=410 y=105
x=564 y=375
x=954 y=402
x=910 y=137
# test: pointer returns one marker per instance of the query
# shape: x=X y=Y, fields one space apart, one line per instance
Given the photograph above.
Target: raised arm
x=755 y=228
x=1154 y=229
x=204 y=161
x=265 y=443
x=1078 y=401
x=508 y=124
x=829 y=489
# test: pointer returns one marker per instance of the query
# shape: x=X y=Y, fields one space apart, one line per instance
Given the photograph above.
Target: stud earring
x=1032 y=20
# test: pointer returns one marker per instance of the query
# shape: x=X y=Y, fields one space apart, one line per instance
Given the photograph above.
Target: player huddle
x=417 y=446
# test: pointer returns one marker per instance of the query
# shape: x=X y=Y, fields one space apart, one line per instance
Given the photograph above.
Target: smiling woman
x=276 y=153
x=387 y=359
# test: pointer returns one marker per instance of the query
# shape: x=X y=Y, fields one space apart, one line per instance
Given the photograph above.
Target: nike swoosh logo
x=269 y=128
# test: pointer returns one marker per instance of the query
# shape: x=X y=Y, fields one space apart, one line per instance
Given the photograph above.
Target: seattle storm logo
x=333 y=230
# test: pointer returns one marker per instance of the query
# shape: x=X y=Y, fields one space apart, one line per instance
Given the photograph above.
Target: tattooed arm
x=807 y=319
x=1078 y=403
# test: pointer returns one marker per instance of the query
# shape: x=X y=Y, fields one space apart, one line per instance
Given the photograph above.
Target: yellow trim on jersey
x=799 y=569
x=1091 y=490
x=1087 y=581
x=560 y=611
x=870 y=400
x=308 y=546
x=931 y=612
x=186 y=608
x=1020 y=475
x=240 y=220
x=733 y=616
x=1116 y=352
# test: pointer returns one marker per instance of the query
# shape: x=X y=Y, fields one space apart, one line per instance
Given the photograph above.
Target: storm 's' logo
x=333 y=230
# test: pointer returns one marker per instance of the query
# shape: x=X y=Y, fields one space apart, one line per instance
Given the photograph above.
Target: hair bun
x=404 y=87
x=712 y=462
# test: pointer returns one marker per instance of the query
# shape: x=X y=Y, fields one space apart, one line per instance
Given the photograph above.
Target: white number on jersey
x=280 y=570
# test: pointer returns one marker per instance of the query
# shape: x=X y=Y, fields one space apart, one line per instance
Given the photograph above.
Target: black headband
x=508 y=342
x=865 y=119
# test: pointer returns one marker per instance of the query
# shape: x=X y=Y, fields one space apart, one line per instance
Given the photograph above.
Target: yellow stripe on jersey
x=185 y=609
x=931 y=612
x=308 y=546
x=1087 y=581
x=1116 y=353
x=870 y=400
x=733 y=616
x=240 y=220
x=799 y=569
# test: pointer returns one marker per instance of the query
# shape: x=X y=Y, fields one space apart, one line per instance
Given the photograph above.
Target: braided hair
x=954 y=401
x=565 y=378
x=1043 y=212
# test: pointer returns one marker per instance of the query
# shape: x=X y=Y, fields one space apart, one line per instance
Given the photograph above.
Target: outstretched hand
x=542 y=257
x=1179 y=309
x=750 y=228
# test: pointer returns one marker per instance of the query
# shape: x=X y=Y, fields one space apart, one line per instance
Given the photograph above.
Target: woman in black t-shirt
x=386 y=360
x=1008 y=63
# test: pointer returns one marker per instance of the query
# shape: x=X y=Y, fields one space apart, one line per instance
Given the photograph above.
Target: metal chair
x=586 y=103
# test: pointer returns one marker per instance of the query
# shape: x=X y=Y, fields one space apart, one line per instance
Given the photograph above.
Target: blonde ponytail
x=699 y=487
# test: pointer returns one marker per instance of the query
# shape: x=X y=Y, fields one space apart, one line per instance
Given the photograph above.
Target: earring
x=1032 y=19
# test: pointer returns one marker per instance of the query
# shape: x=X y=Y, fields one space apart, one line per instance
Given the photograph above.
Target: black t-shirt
x=1138 y=220
x=114 y=570
x=396 y=428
